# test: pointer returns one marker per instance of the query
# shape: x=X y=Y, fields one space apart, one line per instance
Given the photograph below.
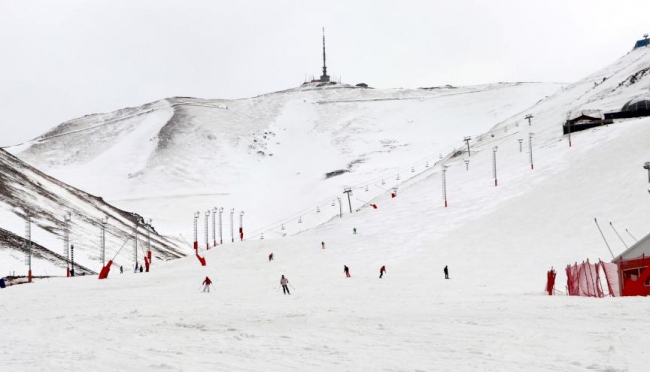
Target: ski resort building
x=634 y=268
x=636 y=107
x=643 y=42
x=584 y=119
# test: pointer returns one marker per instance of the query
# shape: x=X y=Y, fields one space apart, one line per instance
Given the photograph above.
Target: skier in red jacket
x=382 y=271
x=206 y=284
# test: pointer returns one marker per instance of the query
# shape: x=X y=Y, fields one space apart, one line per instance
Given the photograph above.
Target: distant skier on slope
x=382 y=271
x=206 y=284
x=446 y=272
x=346 y=270
x=354 y=230
x=271 y=257
x=141 y=268
x=121 y=269
x=283 y=282
x=322 y=244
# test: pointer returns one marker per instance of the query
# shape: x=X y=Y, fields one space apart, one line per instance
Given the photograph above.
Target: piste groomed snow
x=285 y=159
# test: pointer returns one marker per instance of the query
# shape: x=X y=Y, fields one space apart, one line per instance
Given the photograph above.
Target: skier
x=322 y=245
x=346 y=270
x=206 y=284
x=446 y=272
x=382 y=271
x=136 y=268
x=271 y=257
x=283 y=282
x=141 y=268
x=121 y=270
x=354 y=230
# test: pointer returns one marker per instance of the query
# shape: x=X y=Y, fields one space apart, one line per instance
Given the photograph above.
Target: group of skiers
x=284 y=282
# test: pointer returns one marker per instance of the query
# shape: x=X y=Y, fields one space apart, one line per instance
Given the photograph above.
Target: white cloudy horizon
x=69 y=58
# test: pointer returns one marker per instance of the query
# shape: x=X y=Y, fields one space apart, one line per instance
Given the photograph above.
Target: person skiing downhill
x=382 y=271
x=283 y=282
x=271 y=257
x=121 y=270
x=206 y=284
x=322 y=245
x=346 y=270
x=446 y=272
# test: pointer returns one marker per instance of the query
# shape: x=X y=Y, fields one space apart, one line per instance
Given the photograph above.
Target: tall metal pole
x=494 y=164
x=207 y=219
x=340 y=207
x=135 y=242
x=196 y=231
x=214 y=226
x=444 y=184
x=241 y=225
x=220 y=226
x=530 y=148
x=72 y=260
x=149 y=222
x=348 y=191
x=104 y=221
x=66 y=241
x=529 y=117
x=232 y=222
x=28 y=243
x=467 y=139
x=646 y=165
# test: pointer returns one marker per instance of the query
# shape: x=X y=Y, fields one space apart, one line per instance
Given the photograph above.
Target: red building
x=634 y=268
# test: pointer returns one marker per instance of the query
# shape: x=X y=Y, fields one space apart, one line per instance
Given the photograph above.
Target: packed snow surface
x=498 y=242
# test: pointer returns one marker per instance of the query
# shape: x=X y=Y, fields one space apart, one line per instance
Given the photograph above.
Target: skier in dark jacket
x=446 y=272
x=346 y=270
x=382 y=271
x=271 y=257
x=140 y=268
x=284 y=282
x=121 y=270
x=206 y=284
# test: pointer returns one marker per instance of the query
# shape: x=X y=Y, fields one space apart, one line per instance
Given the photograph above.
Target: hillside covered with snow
x=498 y=241
x=270 y=155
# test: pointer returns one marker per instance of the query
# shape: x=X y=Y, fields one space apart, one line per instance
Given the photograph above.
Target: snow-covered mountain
x=27 y=191
x=270 y=155
x=497 y=241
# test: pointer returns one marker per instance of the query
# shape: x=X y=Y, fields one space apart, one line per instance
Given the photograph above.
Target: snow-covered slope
x=267 y=155
x=498 y=242
x=26 y=191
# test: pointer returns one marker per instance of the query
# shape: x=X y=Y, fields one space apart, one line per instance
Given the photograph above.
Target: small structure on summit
x=634 y=108
x=642 y=43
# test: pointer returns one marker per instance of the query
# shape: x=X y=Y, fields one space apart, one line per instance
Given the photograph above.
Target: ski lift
x=262 y=237
x=317 y=209
x=397 y=177
x=282 y=228
x=300 y=219
x=426 y=165
x=412 y=169
x=366 y=188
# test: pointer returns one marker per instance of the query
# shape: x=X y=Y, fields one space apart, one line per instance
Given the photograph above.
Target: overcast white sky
x=68 y=58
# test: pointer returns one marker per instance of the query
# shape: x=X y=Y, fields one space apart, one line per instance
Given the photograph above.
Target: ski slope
x=492 y=315
x=267 y=155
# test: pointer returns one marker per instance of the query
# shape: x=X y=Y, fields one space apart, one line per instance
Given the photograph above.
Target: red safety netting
x=585 y=279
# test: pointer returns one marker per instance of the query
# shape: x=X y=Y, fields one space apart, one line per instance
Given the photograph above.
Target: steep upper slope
x=27 y=191
x=267 y=155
